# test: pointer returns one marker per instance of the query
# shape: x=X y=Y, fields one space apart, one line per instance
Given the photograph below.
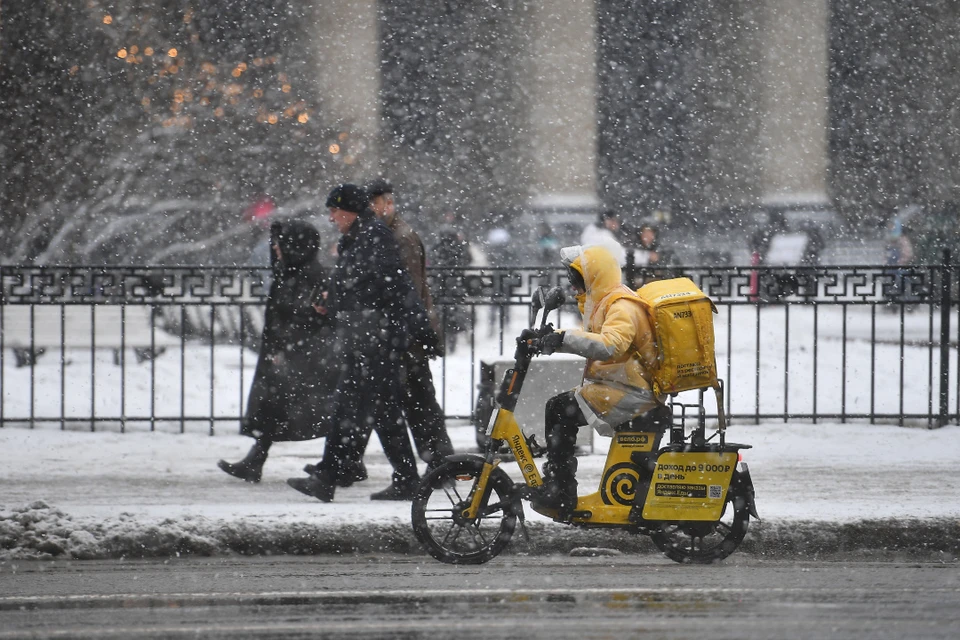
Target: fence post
x=945 y=304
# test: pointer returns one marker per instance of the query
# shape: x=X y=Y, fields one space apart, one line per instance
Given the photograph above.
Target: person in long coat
x=378 y=315
x=296 y=375
x=419 y=396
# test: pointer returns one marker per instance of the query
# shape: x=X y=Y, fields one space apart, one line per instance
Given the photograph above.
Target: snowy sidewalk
x=820 y=488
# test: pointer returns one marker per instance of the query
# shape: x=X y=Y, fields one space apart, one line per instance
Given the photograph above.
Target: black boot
x=358 y=474
x=251 y=467
x=398 y=490
x=314 y=486
x=559 y=490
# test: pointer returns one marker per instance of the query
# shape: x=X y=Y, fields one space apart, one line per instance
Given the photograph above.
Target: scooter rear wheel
x=437 y=513
x=706 y=542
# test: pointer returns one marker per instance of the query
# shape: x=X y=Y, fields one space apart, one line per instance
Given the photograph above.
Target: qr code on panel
x=716 y=491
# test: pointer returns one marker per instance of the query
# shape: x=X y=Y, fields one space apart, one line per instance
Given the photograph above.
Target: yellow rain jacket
x=616 y=340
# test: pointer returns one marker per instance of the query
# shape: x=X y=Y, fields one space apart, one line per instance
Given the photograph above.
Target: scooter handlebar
x=544 y=301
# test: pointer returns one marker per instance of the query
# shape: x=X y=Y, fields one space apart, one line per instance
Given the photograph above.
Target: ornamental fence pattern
x=174 y=348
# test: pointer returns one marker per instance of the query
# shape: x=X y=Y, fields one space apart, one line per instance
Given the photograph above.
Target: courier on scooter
x=692 y=495
x=618 y=343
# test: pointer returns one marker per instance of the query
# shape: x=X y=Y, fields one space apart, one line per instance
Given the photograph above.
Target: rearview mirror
x=537 y=300
x=553 y=299
x=543 y=302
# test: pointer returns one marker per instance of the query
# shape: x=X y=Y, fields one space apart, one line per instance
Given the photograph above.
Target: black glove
x=551 y=342
x=528 y=334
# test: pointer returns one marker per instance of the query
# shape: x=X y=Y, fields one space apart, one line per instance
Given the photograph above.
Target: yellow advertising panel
x=615 y=496
x=689 y=486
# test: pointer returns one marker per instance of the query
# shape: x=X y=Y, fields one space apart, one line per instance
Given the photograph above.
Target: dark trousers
x=562 y=420
x=424 y=415
x=368 y=396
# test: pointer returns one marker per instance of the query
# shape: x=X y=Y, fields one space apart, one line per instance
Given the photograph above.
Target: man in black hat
x=424 y=415
x=377 y=315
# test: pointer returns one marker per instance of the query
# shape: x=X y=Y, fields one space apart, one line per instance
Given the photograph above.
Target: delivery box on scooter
x=682 y=319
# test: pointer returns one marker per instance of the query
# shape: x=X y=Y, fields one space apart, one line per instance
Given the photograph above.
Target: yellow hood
x=616 y=340
x=602 y=277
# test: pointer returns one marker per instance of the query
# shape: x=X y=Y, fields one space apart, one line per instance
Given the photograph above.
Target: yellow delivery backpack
x=682 y=319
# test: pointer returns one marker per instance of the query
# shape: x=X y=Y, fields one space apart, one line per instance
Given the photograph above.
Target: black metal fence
x=174 y=347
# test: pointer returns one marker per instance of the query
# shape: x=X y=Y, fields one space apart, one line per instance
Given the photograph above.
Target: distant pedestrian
x=899 y=250
x=647 y=248
x=500 y=253
x=378 y=316
x=650 y=259
x=605 y=233
x=899 y=247
x=547 y=244
x=449 y=254
x=814 y=246
x=290 y=397
x=423 y=413
x=498 y=247
x=450 y=248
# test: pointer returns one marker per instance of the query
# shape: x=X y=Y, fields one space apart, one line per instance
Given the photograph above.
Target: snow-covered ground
x=107 y=493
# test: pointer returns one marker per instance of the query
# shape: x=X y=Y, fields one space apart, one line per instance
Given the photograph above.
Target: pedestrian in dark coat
x=292 y=390
x=419 y=397
x=378 y=316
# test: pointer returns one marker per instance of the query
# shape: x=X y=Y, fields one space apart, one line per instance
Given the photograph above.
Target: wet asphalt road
x=513 y=596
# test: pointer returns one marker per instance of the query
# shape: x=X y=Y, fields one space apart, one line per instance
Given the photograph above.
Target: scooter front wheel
x=438 y=519
x=706 y=542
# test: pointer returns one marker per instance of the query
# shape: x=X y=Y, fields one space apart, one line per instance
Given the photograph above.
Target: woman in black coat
x=292 y=390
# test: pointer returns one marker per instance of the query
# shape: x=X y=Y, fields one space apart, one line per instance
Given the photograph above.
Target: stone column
x=562 y=104
x=348 y=76
x=793 y=149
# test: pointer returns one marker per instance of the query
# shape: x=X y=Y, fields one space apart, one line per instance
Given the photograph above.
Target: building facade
x=686 y=105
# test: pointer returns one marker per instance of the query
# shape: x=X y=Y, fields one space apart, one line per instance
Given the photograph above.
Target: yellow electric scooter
x=693 y=496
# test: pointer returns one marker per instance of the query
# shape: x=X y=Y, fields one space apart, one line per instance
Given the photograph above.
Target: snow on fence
x=174 y=348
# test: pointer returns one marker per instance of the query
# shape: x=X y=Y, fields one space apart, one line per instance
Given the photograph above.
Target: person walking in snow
x=293 y=384
x=419 y=397
x=605 y=232
x=378 y=316
x=650 y=259
x=899 y=254
x=450 y=252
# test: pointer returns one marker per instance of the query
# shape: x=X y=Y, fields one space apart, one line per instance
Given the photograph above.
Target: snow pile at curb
x=937 y=538
x=41 y=531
